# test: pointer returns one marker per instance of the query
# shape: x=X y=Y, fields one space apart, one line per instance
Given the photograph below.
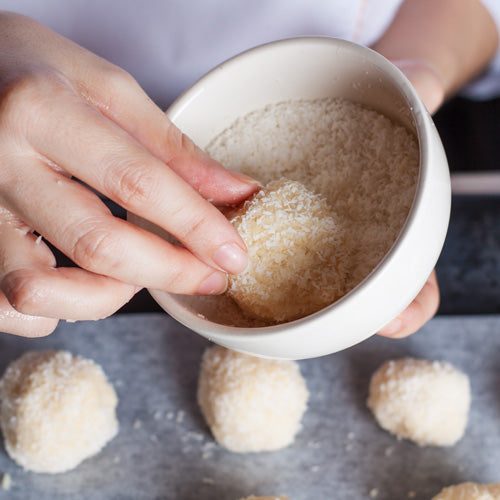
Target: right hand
x=66 y=113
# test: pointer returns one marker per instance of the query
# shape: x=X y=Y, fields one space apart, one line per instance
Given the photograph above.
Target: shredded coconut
x=361 y=162
x=251 y=404
x=56 y=410
x=296 y=253
x=6 y=482
x=470 y=491
x=425 y=401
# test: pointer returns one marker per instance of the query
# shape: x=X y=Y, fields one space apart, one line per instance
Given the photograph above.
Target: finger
x=11 y=320
x=74 y=220
x=33 y=286
x=119 y=97
x=16 y=323
x=108 y=159
x=426 y=82
x=64 y=293
x=422 y=308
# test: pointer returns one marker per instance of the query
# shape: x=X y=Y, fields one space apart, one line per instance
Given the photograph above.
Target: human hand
x=430 y=89
x=440 y=46
x=67 y=114
x=425 y=80
x=423 y=307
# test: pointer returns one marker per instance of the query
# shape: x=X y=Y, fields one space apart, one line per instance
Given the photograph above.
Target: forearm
x=457 y=38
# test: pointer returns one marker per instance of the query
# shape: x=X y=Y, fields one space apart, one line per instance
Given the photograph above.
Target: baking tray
x=164 y=449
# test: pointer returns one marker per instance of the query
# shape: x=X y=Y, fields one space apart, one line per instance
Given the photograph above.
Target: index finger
x=120 y=98
x=105 y=157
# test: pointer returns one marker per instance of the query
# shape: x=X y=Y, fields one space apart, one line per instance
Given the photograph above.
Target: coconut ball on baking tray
x=421 y=400
x=251 y=404
x=470 y=491
x=56 y=410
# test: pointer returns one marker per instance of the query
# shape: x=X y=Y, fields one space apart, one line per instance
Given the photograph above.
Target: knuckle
x=117 y=79
x=30 y=86
x=24 y=291
x=29 y=95
x=176 y=282
x=190 y=225
x=94 y=247
x=173 y=141
x=186 y=144
x=130 y=184
x=110 y=82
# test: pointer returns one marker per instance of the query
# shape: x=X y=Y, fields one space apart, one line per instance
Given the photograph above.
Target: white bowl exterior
x=309 y=68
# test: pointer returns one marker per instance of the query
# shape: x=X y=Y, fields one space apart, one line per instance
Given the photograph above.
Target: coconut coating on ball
x=421 y=400
x=296 y=253
x=470 y=491
x=56 y=410
x=251 y=404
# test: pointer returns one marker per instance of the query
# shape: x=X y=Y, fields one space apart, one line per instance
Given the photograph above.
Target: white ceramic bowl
x=309 y=68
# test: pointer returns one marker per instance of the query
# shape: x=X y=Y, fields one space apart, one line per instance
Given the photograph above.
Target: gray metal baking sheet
x=164 y=450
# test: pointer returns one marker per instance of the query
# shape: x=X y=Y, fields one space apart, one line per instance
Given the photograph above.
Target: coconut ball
x=296 y=254
x=470 y=491
x=251 y=404
x=56 y=410
x=424 y=401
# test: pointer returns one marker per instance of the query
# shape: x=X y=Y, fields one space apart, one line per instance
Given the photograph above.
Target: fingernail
x=245 y=178
x=216 y=283
x=231 y=258
x=392 y=328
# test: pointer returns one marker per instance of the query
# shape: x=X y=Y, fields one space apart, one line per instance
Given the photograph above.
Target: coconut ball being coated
x=421 y=400
x=296 y=254
x=251 y=404
x=56 y=410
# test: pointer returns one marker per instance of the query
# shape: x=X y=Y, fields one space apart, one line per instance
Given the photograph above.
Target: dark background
x=469 y=267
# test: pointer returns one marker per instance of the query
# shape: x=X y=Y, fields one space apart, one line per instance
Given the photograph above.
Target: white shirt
x=168 y=44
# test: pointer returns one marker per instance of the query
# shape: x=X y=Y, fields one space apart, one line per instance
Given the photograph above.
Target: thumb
x=426 y=81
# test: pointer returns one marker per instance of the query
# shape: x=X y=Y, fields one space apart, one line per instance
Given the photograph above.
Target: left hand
x=431 y=90
x=425 y=80
x=421 y=310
